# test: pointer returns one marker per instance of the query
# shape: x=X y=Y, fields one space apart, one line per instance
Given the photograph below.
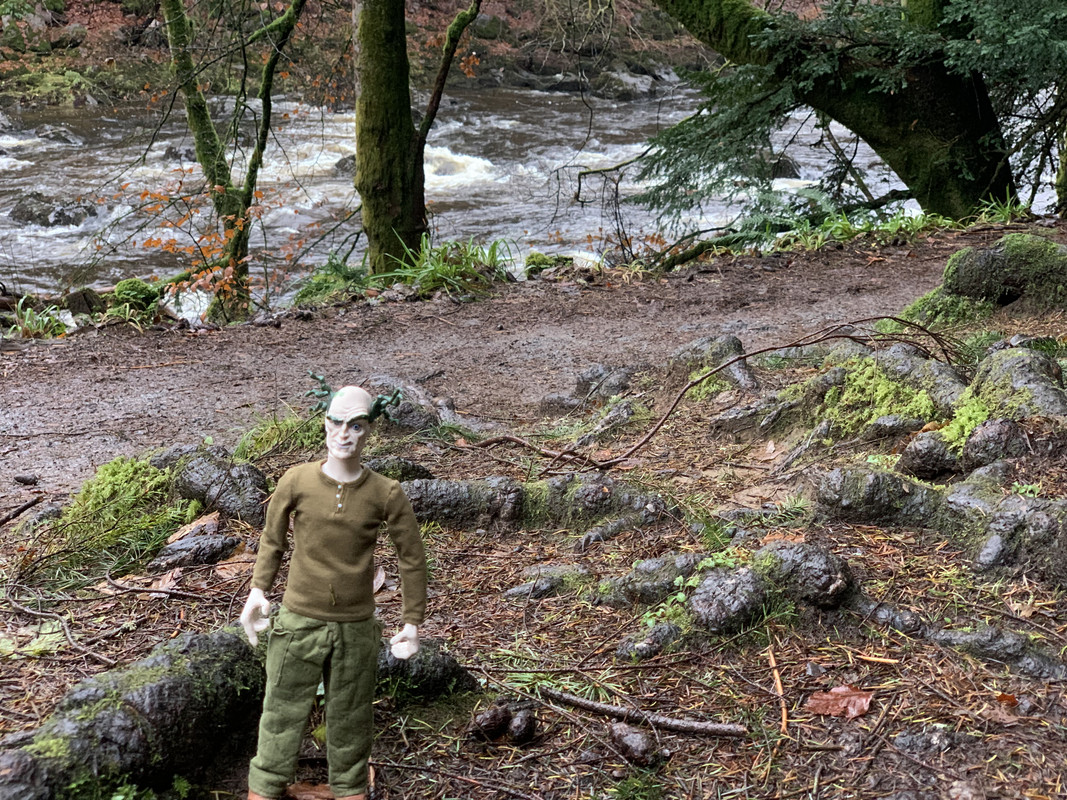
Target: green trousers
x=300 y=653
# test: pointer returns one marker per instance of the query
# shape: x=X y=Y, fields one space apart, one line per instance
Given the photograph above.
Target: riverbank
x=89 y=53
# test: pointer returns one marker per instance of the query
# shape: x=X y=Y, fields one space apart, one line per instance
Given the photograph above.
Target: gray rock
x=548 y=579
x=651 y=643
x=210 y=475
x=805 y=572
x=862 y=494
x=601 y=382
x=1020 y=383
x=906 y=364
x=192 y=551
x=34 y=208
x=891 y=426
x=993 y=440
x=83 y=301
x=432 y=672
x=900 y=619
x=650 y=581
x=635 y=745
x=399 y=469
x=927 y=456
x=727 y=600
x=713 y=351
x=993 y=554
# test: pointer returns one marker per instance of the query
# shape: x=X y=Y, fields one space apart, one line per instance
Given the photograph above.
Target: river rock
x=908 y=365
x=83 y=301
x=713 y=351
x=68 y=37
x=928 y=456
x=35 y=208
x=209 y=474
x=727 y=600
x=993 y=440
x=805 y=572
x=1019 y=383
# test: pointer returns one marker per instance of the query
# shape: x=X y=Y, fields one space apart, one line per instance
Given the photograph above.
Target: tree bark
x=389 y=180
x=938 y=131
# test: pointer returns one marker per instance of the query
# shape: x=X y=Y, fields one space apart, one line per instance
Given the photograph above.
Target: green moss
x=868 y=393
x=941 y=309
x=535 y=503
x=135 y=293
x=291 y=433
x=49 y=747
x=117 y=520
x=708 y=389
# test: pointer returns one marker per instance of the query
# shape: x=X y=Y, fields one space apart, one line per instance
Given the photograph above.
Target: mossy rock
x=1019 y=265
x=135 y=292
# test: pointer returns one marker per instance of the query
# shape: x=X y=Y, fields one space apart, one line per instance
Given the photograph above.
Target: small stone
x=27 y=480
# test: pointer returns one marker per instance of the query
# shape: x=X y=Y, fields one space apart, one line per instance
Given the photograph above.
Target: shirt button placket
x=340 y=505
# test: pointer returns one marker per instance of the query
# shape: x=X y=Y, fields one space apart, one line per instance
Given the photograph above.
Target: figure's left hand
x=406 y=643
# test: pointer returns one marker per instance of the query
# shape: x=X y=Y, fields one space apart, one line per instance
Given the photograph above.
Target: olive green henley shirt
x=335 y=529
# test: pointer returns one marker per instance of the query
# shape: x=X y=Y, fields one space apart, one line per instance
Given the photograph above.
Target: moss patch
x=868 y=393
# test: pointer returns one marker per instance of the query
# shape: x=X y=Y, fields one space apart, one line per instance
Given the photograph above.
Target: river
x=500 y=165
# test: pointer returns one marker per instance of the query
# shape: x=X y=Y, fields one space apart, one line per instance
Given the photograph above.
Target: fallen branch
x=24 y=507
x=107 y=662
x=652 y=720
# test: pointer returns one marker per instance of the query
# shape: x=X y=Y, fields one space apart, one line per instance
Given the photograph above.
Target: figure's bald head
x=348 y=403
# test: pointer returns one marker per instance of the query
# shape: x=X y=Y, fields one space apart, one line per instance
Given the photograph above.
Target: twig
x=652 y=720
x=778 y=688
x=135 y=589
x=107 y=662
x=24 y=507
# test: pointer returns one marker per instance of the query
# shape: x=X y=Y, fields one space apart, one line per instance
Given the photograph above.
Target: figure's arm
x=255 y=617
x=411 y=558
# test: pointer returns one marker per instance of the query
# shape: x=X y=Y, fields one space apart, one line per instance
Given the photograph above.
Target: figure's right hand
x=256 y=615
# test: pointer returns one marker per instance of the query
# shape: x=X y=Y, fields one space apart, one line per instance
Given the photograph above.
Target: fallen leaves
x=841 y=701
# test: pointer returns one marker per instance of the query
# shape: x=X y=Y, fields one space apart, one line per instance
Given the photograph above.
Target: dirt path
x=72 y=404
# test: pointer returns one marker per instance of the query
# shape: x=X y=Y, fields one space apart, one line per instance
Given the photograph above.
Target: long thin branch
x=452 y=36
x=652 y=720
x=107 y=662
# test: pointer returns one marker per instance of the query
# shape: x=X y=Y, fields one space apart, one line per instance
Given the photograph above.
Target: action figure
x=325 y=628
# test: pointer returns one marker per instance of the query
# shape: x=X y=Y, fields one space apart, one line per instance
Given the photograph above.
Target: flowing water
x=500 y=165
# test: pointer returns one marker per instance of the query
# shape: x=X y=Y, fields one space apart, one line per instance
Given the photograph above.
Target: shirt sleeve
x=411 y=555
x=274 y=541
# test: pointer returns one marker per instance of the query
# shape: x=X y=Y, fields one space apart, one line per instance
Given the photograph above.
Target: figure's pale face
x=345 y=440
x=347 y=425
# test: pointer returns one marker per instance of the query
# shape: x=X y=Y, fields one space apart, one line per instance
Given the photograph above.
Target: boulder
x=928 y=456
x=727 y=600
x=993 y=440
x=805 y=572
x=713 y=351
x=1020 y=382
x=209 y=474
x=35 y=208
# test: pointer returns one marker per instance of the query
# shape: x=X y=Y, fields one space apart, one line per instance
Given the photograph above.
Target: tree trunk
x=389 y=178
x=938 y=131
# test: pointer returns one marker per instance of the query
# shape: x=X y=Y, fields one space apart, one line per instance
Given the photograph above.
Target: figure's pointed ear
x=382 y=402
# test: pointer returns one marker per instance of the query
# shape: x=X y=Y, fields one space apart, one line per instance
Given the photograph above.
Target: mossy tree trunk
x=231 y=202
x=390 y=177
x=389 y=182
x=938 y=131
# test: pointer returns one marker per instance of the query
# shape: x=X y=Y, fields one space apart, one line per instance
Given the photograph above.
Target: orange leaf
x=841 y=701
